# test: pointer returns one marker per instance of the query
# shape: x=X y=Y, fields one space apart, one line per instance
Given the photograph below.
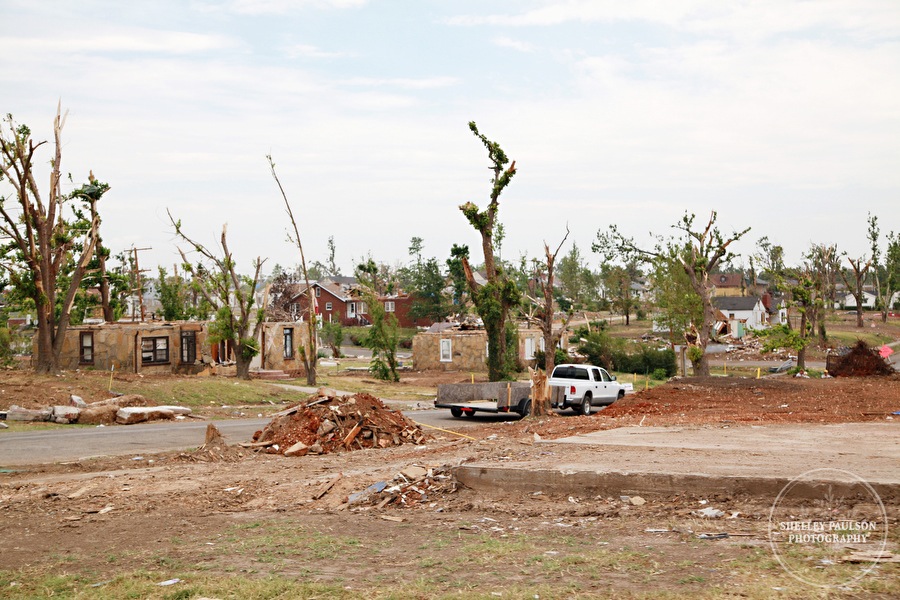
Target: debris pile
x=214 y=449
x=860 y=361
x=328 y=423
x=411 y=486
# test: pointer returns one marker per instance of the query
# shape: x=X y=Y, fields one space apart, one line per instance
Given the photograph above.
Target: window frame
x=389 y=306
x=155 y=350
x=287 y=345
x=188 y=344
x=448 y=343
x=86 y=335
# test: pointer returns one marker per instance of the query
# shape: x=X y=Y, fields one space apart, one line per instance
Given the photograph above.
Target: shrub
x=659 y=375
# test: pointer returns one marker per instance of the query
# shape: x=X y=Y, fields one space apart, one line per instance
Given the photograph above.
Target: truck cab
x=582 y=387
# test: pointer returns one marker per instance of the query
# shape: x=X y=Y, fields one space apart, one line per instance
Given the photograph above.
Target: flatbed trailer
x=466 y=399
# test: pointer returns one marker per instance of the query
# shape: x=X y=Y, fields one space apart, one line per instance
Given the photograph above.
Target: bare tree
x=232 y=296
x=700 y=252
x=309 y=352
x=494 y=299
x=40 y=243
x=542 y=316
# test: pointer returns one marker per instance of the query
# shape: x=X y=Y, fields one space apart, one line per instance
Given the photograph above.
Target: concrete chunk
x=77 y=401
x=66 y=414
x=178 y=410
x=17 y=413
x=298 y=449
x=98 y=415
x=138 y=414
x=122 y=401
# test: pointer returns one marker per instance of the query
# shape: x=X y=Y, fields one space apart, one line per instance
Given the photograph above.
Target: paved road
x=37 y=447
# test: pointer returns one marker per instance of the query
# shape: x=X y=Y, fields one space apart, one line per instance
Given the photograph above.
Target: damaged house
x=449 y=347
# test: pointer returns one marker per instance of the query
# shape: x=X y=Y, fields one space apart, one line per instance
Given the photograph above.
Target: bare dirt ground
x=213 y=516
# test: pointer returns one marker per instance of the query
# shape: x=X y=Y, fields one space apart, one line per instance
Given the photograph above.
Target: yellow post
x=647 y=381
x=473 y=377
x=757 y=372
x=725 y=363
x=111 y=371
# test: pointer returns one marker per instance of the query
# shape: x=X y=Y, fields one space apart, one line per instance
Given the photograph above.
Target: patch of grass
x=206 y=391
x=849 y=338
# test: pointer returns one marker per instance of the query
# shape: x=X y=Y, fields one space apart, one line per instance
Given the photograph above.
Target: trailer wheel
x=456 y=412
x=525 y=408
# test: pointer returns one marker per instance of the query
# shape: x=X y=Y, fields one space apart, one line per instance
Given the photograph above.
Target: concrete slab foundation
x=663 y=461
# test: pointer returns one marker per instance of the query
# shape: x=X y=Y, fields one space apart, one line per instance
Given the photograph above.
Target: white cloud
x=407 y=83
x=280 y=7
x=308 y=51
x=124 y=40
x=507 y=42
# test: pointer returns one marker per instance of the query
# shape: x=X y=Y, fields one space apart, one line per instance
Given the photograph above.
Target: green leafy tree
x=579 y=284
x=237 y=322
x=39 y=244
x=494 y=299
x=699 y=251
x=332 y=336
x=382 y=338
x=427 y=289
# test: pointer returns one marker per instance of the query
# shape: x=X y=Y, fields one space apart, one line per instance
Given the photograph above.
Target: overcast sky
x=782 y=115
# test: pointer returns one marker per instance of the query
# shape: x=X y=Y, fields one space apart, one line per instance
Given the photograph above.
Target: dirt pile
x=330 y=423
x=861 y=361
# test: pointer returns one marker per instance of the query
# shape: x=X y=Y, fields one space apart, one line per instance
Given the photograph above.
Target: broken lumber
x=326 y=487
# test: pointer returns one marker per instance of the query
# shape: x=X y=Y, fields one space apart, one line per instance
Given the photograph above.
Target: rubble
x=860 y=361
x=404 y=490
x=125 y=410
x=328 y=423
x=139 y=414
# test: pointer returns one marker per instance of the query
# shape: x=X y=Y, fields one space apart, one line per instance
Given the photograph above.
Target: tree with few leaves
x=822 y=263
x=494 y=299
x=543 y=311
x=308 y=352
x=699 y=251
x=237 y=322
x=44 y=254
x=884 y=274
x=860 y=269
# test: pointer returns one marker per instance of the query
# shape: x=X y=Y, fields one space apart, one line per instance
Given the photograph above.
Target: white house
x=849 y=300
x=741 y=313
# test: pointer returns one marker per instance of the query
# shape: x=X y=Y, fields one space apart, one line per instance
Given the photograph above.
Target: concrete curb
x=489 y=479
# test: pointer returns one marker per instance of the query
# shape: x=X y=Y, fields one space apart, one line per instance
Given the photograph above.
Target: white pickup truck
x=581 y=387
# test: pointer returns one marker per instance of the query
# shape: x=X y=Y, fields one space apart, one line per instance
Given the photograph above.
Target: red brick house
x=345 y=304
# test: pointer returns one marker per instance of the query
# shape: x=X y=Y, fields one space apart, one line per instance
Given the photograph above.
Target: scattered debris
x=329 y=423
x=710 y=513
x=406 y=491
x=871 y=556
x=712 y=536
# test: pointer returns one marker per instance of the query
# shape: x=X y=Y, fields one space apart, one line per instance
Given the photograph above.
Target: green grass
x=208 y=391
x=849 y=338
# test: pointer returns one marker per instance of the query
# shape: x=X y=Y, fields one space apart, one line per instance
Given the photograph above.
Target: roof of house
x=735 y=302
x=727 y=279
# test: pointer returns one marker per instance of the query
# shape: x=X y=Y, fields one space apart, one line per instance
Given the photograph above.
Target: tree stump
x=540 y=394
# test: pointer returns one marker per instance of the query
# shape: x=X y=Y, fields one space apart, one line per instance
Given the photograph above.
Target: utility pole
x=137 y=278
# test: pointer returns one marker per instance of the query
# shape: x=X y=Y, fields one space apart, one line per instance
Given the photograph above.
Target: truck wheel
x=525 y=408
x=621 y=395
x=586 y=404
x=456 y=412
